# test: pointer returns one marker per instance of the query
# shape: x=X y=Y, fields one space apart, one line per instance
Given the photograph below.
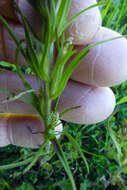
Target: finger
x=99 y=68
x=7 y=44
x=12 y=83
x=84 y=28
x=91 y=100
x=22 y=130
x=7 y=9
x=87 y=24
x=29 y=12
x=105 y=64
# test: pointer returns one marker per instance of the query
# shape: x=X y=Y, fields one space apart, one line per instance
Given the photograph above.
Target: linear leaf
x=111 y=16
x=62 y=14
x=75 y=62
x=68 y=110
x=64 y=161
x=36 y=157
x=33 y=97
x=12 y=34
x=58 y=69
x=114 y=139
x=18 y=96
x=77 y=147
x=122 y=100
x=44 y=63
x=67 y=73
x=15 y=165
x=30 y=49
x=106 y=9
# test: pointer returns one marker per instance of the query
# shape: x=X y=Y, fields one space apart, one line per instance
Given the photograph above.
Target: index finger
x=7 y=10
x=82 y=30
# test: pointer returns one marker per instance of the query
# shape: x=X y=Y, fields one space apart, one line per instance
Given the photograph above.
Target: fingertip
x=84 y=28
x=106 y=64
x=96 y=103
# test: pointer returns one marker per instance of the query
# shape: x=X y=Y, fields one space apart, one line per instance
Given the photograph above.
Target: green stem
x=47 y=107
x=48 y=102
x=15 y=165
x=63 y=160
x=38 y=154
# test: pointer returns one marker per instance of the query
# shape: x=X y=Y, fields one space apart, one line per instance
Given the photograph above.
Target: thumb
x=22 y=130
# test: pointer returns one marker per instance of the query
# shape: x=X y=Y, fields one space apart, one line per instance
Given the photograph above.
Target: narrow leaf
x=62 y=15
x=18 y=96
x=15 y=165
x=31 y=54
x=59 y=68
x=33 y=97
x=63 y=160
x=77 y=147
x=44 y=63
x=35 y=159
x=75 y=62
x=122 y=100
x=106 y=9
x=114 y=139
x=67 y=73
x=12 y=34
x=68 y=110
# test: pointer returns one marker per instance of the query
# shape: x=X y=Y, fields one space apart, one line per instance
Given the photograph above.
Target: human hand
x=100 y=68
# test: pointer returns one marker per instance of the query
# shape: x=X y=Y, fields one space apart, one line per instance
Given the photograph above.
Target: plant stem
x=47 y=107
x=35 y=159
x=48 y=102
x=64 y=162
x=15 y=165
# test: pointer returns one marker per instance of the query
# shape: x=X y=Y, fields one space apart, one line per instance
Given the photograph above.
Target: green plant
x=40 y=61
x=92 y=134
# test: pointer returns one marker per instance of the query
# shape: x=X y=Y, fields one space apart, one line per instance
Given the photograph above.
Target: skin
x=102 y=65
x=85 y=27
x=19 y=121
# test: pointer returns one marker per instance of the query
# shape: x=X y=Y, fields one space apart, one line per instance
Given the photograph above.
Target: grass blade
x=15 y=165
x=122 y=100
x=64 y=162
x=31 y=54
x=68 y=110
x=114 y=139
x=106 y=9
x=67 y=73
x=59 y=68
x=33 y=97
x=77 y=147
x=18 y=96
x=62 y=15
x=44 y=63
x=12 y=34
x=35 y=159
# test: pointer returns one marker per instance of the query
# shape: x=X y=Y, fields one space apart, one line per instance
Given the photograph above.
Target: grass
x=104 y=145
